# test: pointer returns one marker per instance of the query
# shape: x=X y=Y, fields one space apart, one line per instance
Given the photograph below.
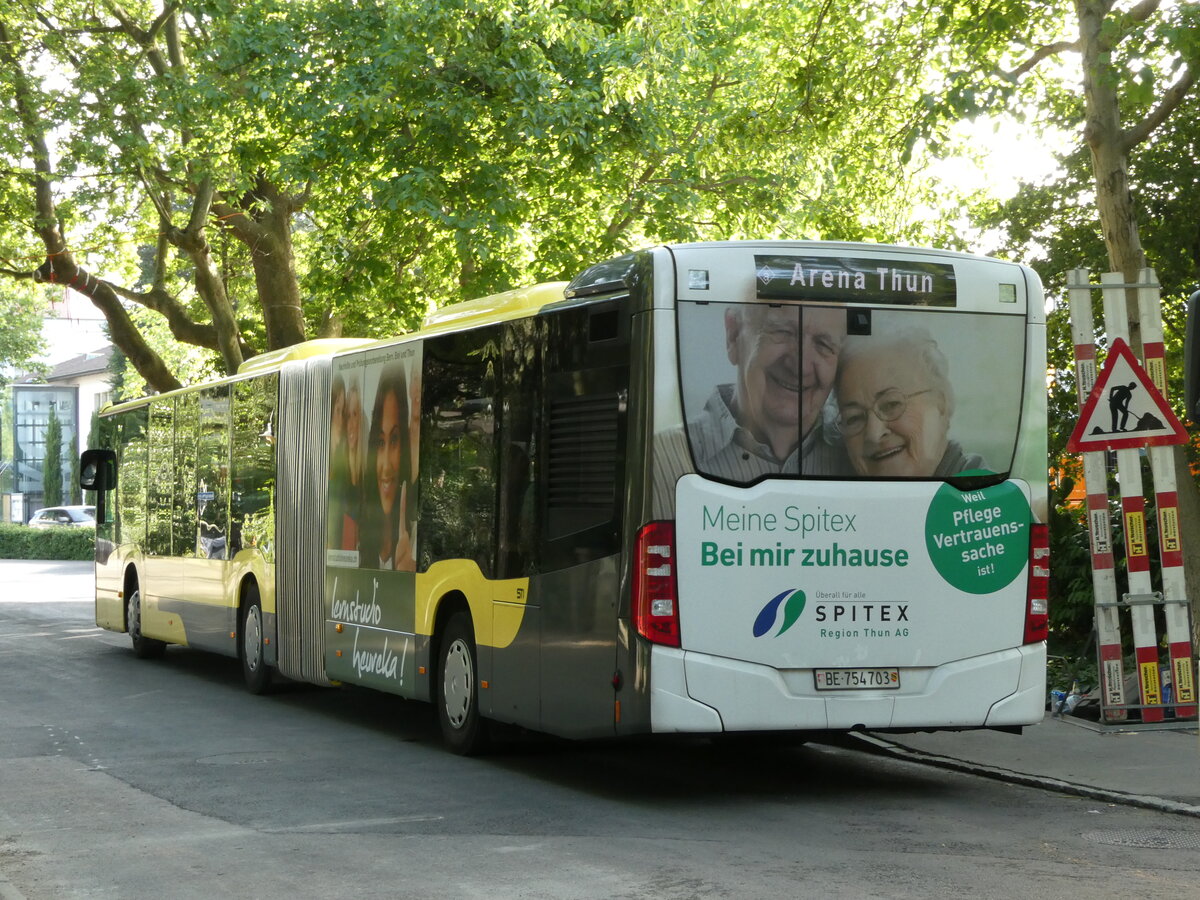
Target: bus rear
x=847 y=490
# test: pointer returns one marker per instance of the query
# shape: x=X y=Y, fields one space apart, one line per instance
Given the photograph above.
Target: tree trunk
x=1110 y=157
x=209 y=283
x=275 y=278
x=263 y=222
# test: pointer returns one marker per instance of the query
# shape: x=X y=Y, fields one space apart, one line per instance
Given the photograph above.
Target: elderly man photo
x=768 y=419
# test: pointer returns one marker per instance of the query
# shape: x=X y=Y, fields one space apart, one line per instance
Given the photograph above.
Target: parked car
x=53 y=516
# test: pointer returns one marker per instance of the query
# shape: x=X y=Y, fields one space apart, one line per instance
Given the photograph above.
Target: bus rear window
x=830 y=391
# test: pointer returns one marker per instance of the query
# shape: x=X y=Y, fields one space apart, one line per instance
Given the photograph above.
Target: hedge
x=23 y=542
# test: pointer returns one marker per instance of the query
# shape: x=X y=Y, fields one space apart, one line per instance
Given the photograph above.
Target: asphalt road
x=134 y=779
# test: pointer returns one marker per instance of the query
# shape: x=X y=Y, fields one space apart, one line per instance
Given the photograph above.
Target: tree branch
x=201 y=205
x=1175 y=95
x=1043 y=52
x=160 y=205
x=1139 y=13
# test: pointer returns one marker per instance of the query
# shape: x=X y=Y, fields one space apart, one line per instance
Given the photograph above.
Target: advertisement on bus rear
x=902 y=575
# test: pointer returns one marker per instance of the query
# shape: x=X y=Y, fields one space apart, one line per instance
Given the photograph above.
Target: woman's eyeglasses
x=888 y=406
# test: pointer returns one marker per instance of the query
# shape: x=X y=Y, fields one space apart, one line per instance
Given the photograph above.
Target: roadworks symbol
x=792 y=601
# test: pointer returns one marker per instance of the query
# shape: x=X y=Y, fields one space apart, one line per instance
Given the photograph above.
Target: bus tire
x=463 y=729
x=252 y=648
x=143 y=647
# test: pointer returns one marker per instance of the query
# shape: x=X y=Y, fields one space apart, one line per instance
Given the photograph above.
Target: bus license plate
x=857 y=679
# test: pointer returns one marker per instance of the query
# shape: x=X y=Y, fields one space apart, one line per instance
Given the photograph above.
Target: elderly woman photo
x=895 y=403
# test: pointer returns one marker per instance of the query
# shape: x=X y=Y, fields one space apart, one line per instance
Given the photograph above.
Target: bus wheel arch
x=456 y=678
x=252 y=639
x=143 y=647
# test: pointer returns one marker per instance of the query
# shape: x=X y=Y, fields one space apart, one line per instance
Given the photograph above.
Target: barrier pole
x=1170 y=539
x=1133 y=511
x=1099 y=520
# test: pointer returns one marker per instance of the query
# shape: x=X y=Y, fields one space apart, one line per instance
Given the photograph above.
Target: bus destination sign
x=898 y=282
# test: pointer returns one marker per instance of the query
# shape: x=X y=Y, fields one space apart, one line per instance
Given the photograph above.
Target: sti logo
x=792 y=601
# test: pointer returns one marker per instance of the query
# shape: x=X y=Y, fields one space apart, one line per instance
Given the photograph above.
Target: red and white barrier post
x=1095 y=479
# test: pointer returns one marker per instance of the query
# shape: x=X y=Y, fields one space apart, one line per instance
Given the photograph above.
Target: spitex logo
x=792 y=601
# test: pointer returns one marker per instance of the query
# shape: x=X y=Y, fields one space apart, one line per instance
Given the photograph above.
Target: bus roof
x=495 y=308
x=273 y=359
x=484 y=310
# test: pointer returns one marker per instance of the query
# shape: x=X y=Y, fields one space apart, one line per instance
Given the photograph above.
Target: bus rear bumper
x=696 y=692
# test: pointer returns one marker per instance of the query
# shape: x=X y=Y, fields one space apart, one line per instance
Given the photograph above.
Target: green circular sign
x=978 y=540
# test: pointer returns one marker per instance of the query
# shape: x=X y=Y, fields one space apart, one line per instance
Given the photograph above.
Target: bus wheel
x=143 y=647
x=463 y=729
x=254 y=666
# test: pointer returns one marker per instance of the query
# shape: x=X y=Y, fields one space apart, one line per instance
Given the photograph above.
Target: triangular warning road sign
x=1124 y=409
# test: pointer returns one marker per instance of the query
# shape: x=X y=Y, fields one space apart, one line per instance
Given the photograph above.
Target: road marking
x=142 y=694
x=30 y=600
x=350 y=825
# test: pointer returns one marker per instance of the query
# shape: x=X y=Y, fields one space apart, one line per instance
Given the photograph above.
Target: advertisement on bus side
x=371 y=515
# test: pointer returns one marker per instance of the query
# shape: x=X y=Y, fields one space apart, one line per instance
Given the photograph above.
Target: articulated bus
x=704 y=488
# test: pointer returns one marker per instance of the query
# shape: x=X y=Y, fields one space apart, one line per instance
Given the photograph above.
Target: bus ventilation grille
x=583 y=458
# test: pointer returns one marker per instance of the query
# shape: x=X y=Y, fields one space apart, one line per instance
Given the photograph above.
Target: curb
x=1159 y=804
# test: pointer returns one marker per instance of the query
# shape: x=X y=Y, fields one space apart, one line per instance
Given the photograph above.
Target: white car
x=53 y=516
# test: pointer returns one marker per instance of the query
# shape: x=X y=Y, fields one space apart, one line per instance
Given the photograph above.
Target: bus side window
x=133 y=459
x=457 y=490
x=160 y=481
x=212 y=474
x=183 y=503
x=252 y=467
x=520 y=404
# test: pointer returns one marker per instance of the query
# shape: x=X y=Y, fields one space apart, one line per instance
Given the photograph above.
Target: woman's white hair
x=912 y=341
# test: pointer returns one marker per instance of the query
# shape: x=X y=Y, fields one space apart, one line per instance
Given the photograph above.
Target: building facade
x=73 y=391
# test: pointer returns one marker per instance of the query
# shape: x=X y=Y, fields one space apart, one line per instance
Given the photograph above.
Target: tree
x=52 y=470
x=73 y=490
x=1128 y=180
x=276 y=182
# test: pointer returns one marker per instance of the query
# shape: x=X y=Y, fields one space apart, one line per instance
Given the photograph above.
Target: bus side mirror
x=98 y=470
x=1191 y=360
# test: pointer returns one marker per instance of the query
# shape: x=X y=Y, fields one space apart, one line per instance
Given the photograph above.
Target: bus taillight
x=1037 y=612
x=655 y=601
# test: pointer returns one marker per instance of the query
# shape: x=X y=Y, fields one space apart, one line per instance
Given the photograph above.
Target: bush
x=23 y=542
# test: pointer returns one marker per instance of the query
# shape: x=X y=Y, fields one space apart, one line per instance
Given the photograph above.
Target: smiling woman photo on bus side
x=385 y=534
x=895 y=403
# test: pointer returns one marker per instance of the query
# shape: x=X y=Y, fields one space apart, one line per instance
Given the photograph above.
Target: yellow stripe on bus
x=497 y=607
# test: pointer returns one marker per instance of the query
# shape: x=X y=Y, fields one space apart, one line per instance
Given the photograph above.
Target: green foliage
x=21 y=310
x=23 y=542
x=74 y=492
x=1071 y=598
x=474 y=146
x=52 y=463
